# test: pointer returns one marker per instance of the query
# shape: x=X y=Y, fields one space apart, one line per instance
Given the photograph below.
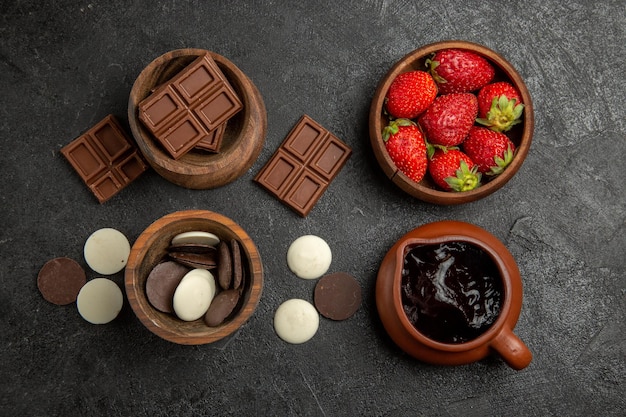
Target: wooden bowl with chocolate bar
x=194 y=277
x=434 y=126
x=199 y=121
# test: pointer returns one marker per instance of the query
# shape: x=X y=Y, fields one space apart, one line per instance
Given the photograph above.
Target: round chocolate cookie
x=161 y=285
x=60 y=280
x=337 y=296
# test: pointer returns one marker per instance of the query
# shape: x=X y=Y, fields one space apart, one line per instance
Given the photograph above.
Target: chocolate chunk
x=60 y=280
x=221 y=307
x=237 y=265
x=106 y=158
x=161 y=285
x=224 y=268
x=187 y=109
x=337 y=296
x=303 y=166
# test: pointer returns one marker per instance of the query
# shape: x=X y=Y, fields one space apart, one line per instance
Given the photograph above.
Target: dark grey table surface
x=64 y=65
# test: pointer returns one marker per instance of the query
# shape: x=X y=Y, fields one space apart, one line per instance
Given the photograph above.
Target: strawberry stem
x=466 y=179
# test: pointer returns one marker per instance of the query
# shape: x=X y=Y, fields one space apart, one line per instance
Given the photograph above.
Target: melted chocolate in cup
x=451 y=292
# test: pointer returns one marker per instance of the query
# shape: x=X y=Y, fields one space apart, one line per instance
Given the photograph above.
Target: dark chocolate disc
x=224 y=266
x=60 y=280
x=337 y=296
x=207 y=260
x=221 y=307
x=161 y=284
x=237 y=265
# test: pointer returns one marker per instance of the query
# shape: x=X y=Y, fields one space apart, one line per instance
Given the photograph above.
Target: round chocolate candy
x=221 y=307
x=60 y=280
x=161 y=284
x=337 y=296
x=99 y=301
x=224 y=266
x=194 y=294
x=296 y=321
x=309 y=257
x=106 y=251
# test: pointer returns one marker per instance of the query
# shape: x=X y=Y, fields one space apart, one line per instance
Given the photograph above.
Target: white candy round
x=106 y=251
x=194 y=294
x=296 y=321
x=99 y=301
x=309 y=257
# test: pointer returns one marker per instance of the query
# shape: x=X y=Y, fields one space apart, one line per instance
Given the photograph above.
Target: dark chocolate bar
x=106 y=158
x=303 y=166
x=188 y=108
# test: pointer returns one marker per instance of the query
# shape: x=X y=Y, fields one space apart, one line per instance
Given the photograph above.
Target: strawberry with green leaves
x=448 y=120
x=409 y=94
x=406 y=147
x=452 y=170
x=491 y=151
x=499 y=106
x=459 y=70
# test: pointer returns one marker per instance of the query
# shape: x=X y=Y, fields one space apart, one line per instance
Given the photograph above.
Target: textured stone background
x=64 y=65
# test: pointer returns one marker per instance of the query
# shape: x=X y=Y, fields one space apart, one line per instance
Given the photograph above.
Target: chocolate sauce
x=451 y=292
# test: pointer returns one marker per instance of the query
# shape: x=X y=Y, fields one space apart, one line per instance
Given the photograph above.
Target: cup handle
x=510 y=347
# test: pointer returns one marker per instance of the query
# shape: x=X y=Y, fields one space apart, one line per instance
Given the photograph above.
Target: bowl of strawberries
x=451 y=122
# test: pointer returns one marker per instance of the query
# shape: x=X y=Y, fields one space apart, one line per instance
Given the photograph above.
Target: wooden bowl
x=426 y=190
x=243 y=138
x=151 y=247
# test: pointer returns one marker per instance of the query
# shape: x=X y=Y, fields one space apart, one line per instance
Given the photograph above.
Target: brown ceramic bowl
x=150 y=248
x=243 y=138
x=426 y=190
x=499 y=337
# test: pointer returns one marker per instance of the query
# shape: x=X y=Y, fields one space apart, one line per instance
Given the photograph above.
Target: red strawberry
x=491 y=151
x=448 y=120
x=406 y=146
x=452 y=170
x=499 y=106
x=410 y=93
x=459 y=70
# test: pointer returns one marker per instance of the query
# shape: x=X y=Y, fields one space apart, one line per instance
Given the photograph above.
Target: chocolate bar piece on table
x=303 y=166
x=106 y=158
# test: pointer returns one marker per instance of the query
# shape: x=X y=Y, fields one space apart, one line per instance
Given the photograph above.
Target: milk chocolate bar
x=106 y=158
x=303 y=166
x=188 y=108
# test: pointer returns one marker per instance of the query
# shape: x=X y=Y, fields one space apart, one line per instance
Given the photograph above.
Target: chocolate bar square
x=189 y=108
x=303 y=166
x=106 y=158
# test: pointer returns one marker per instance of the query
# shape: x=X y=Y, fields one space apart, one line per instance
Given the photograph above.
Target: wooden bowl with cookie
x=241 y=136
x=185 y=238
x=426 y=188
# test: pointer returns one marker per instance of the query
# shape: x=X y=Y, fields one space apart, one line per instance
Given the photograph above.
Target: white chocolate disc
x=99 y=301
x=194 y=294
x=106 y=251
x=198 y=237
x=296 y=321
x=309 y=257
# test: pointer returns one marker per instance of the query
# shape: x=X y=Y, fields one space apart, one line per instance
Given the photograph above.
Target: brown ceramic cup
x=499 y=337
